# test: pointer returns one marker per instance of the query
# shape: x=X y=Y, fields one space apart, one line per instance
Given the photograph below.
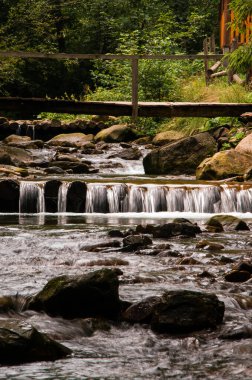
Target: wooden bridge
x=133 y=108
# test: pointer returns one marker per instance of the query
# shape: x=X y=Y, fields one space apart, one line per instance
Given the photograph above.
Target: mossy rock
x=226 y=164
x=226 y=223
x=117 y=133
x=94 y=294
x=167 y=137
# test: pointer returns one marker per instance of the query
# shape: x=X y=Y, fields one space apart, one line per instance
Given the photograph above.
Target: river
x=37 y=246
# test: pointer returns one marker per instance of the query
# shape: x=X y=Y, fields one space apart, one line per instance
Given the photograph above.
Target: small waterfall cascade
x=137 y=198
x=31 y=198
x=115 y=198
x=62 y=196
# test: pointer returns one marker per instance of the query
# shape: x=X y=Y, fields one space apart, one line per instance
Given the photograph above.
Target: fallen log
x=219 y=74
x=213 y=68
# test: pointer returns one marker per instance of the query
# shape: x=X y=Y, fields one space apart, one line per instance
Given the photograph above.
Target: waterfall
x=147 y=198
x=62 y=196
x=32 y=197
x=114 y=198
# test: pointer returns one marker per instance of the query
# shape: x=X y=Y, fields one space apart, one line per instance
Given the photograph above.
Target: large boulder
x=245 y=145
x=178 y=311
x=94 y=294
x=70 y=139
x=181 y=157
x=167 y=137
x=117 y=133
x=21 y=343
x=226 y=164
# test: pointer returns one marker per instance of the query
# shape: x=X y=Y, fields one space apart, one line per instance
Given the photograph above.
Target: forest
x=118 y=27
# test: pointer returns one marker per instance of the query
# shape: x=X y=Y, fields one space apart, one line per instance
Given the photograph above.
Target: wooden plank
x=22 y=54
x=145 y=109
x=193 y=109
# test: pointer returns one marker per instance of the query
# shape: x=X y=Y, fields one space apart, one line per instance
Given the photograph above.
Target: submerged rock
x=94 y=294
x=178 y=311
x=181 y=157
x=21 y=343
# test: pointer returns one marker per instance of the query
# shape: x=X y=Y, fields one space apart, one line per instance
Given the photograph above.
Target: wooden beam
x=23 y=54
x=145 y=109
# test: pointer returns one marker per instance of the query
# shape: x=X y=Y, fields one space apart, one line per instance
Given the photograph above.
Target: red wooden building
x=229 y=34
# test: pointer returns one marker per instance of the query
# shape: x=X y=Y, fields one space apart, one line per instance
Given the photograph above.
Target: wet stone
x=178 y=311
x=133 y=242
x=237 y=276
x=245 y=266
x=94 y=294
x=21 y=343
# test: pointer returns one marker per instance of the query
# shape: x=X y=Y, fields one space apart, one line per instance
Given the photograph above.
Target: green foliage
x=242 y=9
x=241 y=59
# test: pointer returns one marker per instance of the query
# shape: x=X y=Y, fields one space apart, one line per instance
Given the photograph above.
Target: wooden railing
x=133 y=58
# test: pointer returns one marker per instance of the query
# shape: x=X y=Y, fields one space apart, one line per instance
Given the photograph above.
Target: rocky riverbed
x=143 y=280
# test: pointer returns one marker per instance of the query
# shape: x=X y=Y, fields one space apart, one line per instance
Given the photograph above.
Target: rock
x=248 y=175
x=226 y=164
x=66 y=157
x=210 y=246
x=245 y=145
x=99 y=246
x=128 y=154
x=10 y=171
x=237 y=276
x=213 y=225
x=175 y=229
x=70 y=140
x=178 y=311
x=164 y=138
x=141 y=312
x=77 y=168
x=14 y=156
x=54 y=170
x=94 y=294
x=115 y=233
x=244 y=266
x=227 y=223
x=16 y=139
x=21 y=343
x=188 y=261
x=9 y=196
x=117 y=133
x=132 y=242
x=143 y=140
x=181 y=157
x=237 y=333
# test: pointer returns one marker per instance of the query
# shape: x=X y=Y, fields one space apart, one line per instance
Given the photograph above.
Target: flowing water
x=36 y=246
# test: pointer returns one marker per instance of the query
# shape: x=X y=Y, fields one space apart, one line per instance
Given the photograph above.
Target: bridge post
x=134 y=94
